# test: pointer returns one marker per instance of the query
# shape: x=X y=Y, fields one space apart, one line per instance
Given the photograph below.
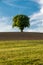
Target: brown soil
x=21 y=36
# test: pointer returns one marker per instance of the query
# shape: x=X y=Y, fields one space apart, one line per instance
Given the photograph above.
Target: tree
x=21 y=21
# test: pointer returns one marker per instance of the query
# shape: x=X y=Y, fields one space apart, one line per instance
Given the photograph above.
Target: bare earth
x=21 y=36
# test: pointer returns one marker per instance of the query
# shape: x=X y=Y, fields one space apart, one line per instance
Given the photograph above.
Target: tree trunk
x=21 y=30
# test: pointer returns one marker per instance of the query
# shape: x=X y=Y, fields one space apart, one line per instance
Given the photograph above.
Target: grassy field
x=24 y=52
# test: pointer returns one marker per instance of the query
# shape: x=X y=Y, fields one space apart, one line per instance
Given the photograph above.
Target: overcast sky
x=31 y=8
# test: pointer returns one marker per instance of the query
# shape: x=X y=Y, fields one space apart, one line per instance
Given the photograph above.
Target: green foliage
x=21 y=21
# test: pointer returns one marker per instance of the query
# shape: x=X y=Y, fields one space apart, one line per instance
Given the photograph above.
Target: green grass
x=24 y=52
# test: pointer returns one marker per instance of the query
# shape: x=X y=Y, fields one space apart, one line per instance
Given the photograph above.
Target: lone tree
x=21 y=21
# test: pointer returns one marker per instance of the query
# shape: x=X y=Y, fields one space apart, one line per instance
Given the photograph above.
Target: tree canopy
x=21 y=21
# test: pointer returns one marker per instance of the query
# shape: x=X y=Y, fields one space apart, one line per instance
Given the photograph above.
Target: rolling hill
x=21 y=36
